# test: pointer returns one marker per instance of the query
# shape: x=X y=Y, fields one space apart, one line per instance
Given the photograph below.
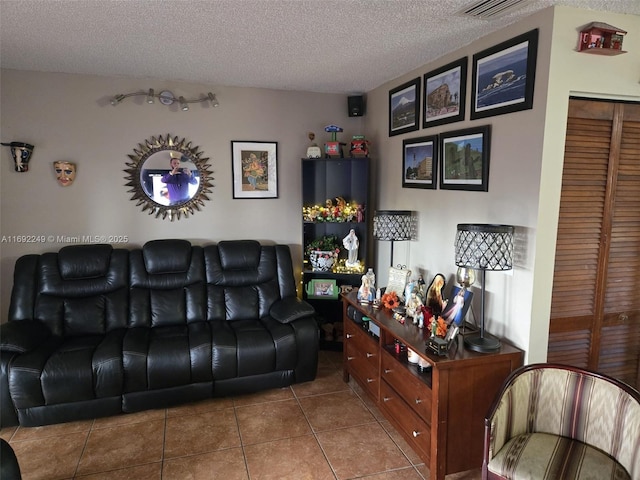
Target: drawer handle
x=349 y=335
x=387 y=370
x=371 y=380
x=386 y=399
x=418 y=401
x=369 y=355
x=350 y=358
x=415 y=434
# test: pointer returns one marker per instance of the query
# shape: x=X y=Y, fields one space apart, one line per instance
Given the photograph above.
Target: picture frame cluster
x=502 y=82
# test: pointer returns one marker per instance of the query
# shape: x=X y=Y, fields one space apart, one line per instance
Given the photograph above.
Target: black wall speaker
x=355 y=105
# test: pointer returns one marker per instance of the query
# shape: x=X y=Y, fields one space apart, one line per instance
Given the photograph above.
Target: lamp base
x=486 y=344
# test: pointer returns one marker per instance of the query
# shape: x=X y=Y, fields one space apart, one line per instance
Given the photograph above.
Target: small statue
x=351 y=244
x=314 y=150
x=366 y=293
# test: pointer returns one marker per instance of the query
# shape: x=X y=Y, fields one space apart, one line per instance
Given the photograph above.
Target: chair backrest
x=571 y=402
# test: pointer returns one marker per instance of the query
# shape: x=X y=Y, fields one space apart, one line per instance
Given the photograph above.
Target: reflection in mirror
x=168 y=177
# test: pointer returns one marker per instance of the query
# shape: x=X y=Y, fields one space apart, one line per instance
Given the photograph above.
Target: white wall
x=69 y=117
x=526 y=159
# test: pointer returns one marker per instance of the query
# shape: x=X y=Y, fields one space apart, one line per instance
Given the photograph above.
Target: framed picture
x=322 y=288
x=419 y=164
x=404 y=108
x=465 y=159
x=504 y=76
x=457 y=306
x=254 y=167
x=445 y=91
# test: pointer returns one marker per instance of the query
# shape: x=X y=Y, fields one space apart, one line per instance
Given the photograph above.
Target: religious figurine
x=351 y=244
x=65 y=172
x=366 y=293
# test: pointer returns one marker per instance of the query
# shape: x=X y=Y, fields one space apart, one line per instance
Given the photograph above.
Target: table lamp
x=393 y=226
x=484 y=247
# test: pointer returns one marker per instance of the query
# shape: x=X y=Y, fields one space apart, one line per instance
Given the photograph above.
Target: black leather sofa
x=95 y=330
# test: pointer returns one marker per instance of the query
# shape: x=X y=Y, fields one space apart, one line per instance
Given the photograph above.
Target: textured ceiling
x=336 y=46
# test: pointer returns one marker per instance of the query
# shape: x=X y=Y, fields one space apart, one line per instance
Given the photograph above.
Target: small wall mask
x=21 y=153
x=65 y=172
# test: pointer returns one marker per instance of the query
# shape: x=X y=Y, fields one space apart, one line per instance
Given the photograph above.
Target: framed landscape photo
x=404 y=108
x=504 y=76
x=254 y=167
x=419 y=162
x=445 y=91
x=465 y=159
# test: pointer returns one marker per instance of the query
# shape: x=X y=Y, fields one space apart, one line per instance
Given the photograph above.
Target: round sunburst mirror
x=168 y=177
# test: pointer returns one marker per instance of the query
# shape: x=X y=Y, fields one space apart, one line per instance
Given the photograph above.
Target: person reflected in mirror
x=65 y=172
x=178 y=179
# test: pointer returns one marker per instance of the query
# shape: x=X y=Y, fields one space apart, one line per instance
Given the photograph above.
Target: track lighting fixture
x=167 y=98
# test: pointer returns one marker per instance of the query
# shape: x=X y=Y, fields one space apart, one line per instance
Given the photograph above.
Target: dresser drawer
x=415 y=392
x=412 y=425
x=363 y=366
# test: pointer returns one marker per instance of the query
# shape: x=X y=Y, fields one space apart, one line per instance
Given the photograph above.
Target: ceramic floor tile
x=8 y=432
x=361 y=450
x=122 y=446
x=33 y=433
x=151 y=471
x=226 y=464
x=327 y=380
x=335 y=410
x=201 y=433
x=129 y=418
x=200 y=407
x=402 y=444
x=272 y=395
x=50 y=458
x=271 y=421
x=408 y=473
x=304 y=460
x=475 y=474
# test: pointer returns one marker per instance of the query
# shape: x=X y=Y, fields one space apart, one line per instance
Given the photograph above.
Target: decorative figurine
x=333 y=147
x=314 y=150
x=366 y=293
x=359 y=146
x=65 y=172
x=21 y=153
x=351 y=244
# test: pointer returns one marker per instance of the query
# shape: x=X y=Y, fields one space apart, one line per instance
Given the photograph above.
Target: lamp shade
x=484 y=246
x=393 y=225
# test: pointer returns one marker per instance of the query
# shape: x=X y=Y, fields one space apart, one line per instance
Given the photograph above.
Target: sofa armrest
x=22 y=336
x=289 y=309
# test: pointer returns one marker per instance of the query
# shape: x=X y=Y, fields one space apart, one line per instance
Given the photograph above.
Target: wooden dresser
x=439 y=412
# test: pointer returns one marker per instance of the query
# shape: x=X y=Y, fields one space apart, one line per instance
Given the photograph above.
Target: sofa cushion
x=535 y=456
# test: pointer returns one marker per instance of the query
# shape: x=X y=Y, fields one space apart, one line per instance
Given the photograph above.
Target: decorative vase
x=322 y=261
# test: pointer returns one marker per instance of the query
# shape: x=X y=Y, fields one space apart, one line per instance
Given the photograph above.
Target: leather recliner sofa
x=95 y=330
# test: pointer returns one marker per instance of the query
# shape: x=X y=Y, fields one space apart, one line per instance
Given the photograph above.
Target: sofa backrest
x=166 y=284
x=80 y=290
x=244 y=278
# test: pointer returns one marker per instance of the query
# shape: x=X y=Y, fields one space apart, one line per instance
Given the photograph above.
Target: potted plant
x=323 y=252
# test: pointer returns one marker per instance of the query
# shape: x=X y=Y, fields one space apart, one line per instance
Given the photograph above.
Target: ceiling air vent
x=488 y=9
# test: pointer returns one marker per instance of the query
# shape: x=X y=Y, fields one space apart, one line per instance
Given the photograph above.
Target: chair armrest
x=289 y=309
x=22 y=336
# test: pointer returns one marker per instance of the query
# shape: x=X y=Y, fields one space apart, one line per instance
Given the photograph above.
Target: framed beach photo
x=445 y=90
x=464 y=158
x=504 y=77
x=419 y=162
x=404 y=108
x=254 y=167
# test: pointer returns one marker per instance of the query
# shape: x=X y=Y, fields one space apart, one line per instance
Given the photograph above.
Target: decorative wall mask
x=65 y=172
x=21 y=153
x=168 y=177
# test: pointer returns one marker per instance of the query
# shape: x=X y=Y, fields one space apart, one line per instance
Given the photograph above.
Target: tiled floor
x=323 y=430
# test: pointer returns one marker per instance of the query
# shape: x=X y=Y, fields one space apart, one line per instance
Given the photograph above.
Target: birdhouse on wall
x=602 y=39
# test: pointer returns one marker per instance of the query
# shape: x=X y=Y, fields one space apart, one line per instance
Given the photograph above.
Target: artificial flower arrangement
x=326 y=243
x=340 y=211
x=390 y=300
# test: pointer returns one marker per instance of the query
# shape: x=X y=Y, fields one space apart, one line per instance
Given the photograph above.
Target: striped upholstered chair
x=555 y=422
